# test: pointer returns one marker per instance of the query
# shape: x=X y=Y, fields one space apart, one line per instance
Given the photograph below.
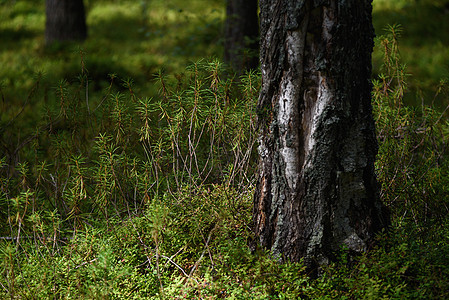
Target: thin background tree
x=241 y=49
x=65 y=21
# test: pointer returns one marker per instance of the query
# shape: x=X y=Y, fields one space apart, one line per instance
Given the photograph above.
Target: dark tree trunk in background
x=66 y=20
x=241 y=49
x=316 y=189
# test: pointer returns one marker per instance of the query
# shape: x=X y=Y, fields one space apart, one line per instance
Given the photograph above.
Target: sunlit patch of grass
x=133 y=39
x=129 y=30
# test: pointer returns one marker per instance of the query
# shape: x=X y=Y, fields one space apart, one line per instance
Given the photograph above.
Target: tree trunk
x=241 y=49
x=66 y=20
x=316 y=189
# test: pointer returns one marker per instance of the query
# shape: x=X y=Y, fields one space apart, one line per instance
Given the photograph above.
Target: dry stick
x=212 y=140
x=175 y=151
x=54 y=239
x=108 y=92
x=194 y=113
x=236 y=162
x=189 y=137
x=179 y=251
x=179 y=267
x=209 y=157
x=196 y=146
x=184 y=161
x=48 y=239
x=175 y=161
x=247 y=157
x=149 y=155
x=145 y=248
x=202 y=254
x=85 y=263
x=175 y=264
x=208 y=250
x=7 y=291
x=18 y=235
x=442 y=114
x=157 y=265
x=179 y=154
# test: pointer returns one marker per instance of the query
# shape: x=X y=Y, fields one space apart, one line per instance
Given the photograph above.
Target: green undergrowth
x=126 y=196
x=424 y=44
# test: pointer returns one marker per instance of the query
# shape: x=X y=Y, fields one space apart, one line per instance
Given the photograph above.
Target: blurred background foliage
x=424 y=43
x=137 y=38
x=130 y=38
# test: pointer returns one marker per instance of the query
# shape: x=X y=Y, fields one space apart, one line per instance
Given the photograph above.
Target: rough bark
x=66 y=21
x=316 y=189
x=241 y=49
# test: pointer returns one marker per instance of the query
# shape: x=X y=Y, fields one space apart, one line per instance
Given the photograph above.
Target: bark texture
x=66 y=20
x=316 y=190
x=241 y=49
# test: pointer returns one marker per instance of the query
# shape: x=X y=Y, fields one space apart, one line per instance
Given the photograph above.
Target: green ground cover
x=139 y=185
x=424 y=43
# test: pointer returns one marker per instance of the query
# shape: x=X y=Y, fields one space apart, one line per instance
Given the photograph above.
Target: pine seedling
x=128 y=84
x=76 y=194
x=410 y=142
x=104 y=179
x=23 y=170
x=63 y=95
x=145 y=110
x=121 y=119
